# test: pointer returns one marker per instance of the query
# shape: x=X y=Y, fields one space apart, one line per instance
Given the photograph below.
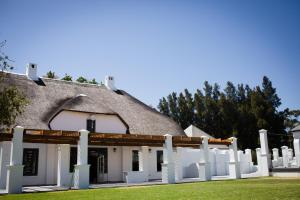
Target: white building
x=76 y=134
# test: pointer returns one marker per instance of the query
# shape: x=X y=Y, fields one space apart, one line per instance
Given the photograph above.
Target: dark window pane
x=135 y=160
x=73 y=158
x=91 y=125
x=30 y=162
x=159 y=160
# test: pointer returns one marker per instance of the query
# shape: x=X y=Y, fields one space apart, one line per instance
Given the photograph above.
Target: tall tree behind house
x=237 y=111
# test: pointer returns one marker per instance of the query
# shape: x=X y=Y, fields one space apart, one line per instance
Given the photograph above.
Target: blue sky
x=156 y=47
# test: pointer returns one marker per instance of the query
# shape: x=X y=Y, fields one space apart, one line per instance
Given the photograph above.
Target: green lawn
x=261 y=188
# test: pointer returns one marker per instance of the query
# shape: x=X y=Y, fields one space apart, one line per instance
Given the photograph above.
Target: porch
x=83 y=140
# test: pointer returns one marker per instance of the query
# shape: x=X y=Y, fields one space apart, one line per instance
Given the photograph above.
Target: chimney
x=31 y=71
x=110 y=83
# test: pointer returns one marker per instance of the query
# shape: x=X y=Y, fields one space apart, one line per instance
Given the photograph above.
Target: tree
x=93 y=81
x=12 y=101
x=163 y=106
x=4 y=60
x=82 y=80
x=50 y=74
x=237 y=111
x=67 y=78
x=12 y=104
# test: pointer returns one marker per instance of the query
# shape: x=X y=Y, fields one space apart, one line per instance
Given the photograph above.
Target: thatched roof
x=50 y=96
x=296 y=129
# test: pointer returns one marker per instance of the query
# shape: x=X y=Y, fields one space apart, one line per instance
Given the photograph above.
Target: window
x=73 y=158
x=30 y=162
x=91 y=125
x=135 y=160
x=159 y=160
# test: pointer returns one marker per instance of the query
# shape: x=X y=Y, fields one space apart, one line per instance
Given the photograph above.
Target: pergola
x=107 y=139
x=83 y=139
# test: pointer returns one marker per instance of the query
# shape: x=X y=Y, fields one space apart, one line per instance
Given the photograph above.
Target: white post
x=275 y=154
x=258 y=158
x=63 y=160
x=143 y=160
x=296 y=136
x=14 y=177
x=234 y=167
x=275 y=161
x=5 y=160
x=249 y=155
x=168 y=168
x=264 y=152
x=204 y=164
x=285 y=160
x=178 y=164
x=82 y=169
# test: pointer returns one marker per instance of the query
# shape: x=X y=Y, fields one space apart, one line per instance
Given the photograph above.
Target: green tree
x=238 y=111
x=12 y=101
x=4 y=59
x=50 y=74
x=93 y=81
x=163 y=106
x=82 y=80
x=67 y=78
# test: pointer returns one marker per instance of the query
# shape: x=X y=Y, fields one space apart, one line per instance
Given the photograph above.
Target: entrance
x=97 y=158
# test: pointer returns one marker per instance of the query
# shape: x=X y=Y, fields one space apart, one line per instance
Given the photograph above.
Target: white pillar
x=204 y=164
x=168 y=168
x=82 y=169
x=275 y=161
x=234 y=168
x=5 y=160
x=143 y=160
x=258 y=158
x=275 y=154
x=285 y=160
x=296 y=136
x=178 y=164
x=63 y=162
x=14 y=177
x=249 y=155
x=264 y=152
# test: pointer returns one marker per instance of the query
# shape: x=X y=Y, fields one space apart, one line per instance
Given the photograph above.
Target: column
x=63 y=162
x=204 y=165
x=285 y=160
x=258 y=159
x=143 y=160
x=248 y=154
x=178 y=164
x=296 y=136
x=14 y=177
x=275 y=160
x=5 y=160
x=234 y=168
x=82 y=169
x=264 y=153
x=249 y=159
x=168 y=168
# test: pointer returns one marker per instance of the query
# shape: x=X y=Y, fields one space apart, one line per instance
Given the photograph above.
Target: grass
x=260 y=188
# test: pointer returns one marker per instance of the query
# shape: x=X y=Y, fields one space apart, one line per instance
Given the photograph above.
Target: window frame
x=33 y=165
x=91 y=125
x=135 y=163
x=159 y=160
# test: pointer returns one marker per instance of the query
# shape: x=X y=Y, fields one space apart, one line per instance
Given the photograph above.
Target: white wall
x=47 y=165
x=74 y=121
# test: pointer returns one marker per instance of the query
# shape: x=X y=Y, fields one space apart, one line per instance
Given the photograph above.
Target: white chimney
x=31 y=71
x=110 y=83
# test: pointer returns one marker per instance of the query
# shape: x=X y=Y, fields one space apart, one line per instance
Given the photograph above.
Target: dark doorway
x=97 y=159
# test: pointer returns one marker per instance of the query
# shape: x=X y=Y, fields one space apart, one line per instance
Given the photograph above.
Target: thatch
x=56 y=95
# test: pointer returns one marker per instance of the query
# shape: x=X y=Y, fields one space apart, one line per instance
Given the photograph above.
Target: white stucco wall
x=74 y=121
